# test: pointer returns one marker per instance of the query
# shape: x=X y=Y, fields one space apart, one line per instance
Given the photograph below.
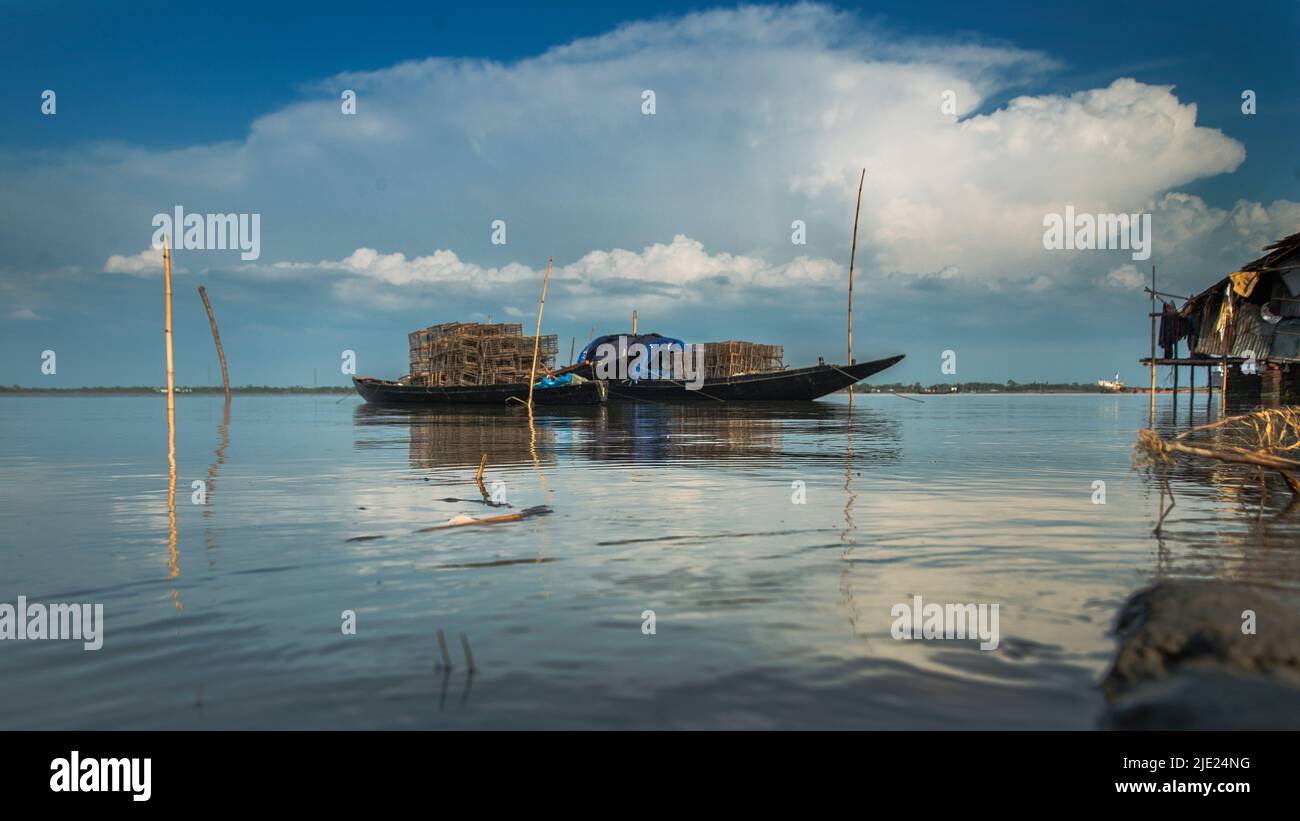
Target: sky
x=724 y=212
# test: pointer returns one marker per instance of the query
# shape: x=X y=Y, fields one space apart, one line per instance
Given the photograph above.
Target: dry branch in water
x=1266 y=439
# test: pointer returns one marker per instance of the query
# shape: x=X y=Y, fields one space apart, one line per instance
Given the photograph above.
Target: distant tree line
x=1010 y=386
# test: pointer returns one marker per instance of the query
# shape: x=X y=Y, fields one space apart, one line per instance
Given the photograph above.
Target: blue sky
x=532 y=115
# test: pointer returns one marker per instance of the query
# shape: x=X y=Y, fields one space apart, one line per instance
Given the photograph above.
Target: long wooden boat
x=387 y=392
x=776 y=386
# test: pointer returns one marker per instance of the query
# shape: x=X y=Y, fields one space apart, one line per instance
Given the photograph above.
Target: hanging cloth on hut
x=1173 y=327
x=1243 y=282
x=1225 y=314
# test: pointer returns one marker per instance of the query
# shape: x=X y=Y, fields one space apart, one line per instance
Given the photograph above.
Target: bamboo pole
x=216 y=337
x=167 y=326
x=537 y=337
x=634 y=323
x=573 y=343
x=1153 y=345
x=173 y=554
x=853 y=253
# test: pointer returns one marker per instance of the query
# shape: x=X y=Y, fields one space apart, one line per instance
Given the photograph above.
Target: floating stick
x=526 y=513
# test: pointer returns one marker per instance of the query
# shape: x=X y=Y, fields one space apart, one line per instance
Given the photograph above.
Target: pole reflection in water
x=847 y=599
x=173 y=552
x=223 y=433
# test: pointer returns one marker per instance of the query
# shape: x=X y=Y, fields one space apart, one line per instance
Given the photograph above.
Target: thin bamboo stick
x=216 y=337
x=478 y=477
x=853 y=253
x=532 y=372
x=634 y=323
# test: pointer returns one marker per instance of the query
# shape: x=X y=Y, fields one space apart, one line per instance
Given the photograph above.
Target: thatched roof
x=1279 y=252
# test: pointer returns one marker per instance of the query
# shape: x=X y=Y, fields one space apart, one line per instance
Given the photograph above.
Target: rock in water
x=1186 y=659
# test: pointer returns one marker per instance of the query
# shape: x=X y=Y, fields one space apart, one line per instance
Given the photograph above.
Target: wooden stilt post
x=216 y=337
x=537 y=337
x=1228 y=338
x=1223 y=385
x=1153 y=346
x=853 y=253
x=1175 y=416
x=1191 y=386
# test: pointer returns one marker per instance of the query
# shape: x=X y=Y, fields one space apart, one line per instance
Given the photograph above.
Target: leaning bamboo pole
x=537 y=336
x=216 y=337
x=853 y=252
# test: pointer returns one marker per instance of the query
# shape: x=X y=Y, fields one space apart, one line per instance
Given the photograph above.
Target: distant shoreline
x=1010 y=386
x=146 y=390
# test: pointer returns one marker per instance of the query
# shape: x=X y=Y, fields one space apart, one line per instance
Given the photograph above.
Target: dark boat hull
x=385 y=392
x=778 y=386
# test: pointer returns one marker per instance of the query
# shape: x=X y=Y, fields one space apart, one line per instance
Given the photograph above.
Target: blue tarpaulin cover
x=652 y=342
x=555 y=381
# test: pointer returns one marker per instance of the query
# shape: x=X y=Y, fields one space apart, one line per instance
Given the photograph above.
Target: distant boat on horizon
x=1111 y=385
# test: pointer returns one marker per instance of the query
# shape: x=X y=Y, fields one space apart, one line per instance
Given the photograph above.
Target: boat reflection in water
x=634 y=434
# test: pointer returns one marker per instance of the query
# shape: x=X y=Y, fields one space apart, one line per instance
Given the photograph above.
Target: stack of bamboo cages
x=736 y=357
x=472 y=353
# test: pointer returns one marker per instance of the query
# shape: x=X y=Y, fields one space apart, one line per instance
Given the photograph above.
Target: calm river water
x=767 y=612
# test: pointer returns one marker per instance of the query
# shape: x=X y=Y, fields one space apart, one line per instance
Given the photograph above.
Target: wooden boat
x=387 y=392
x=775 y=386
